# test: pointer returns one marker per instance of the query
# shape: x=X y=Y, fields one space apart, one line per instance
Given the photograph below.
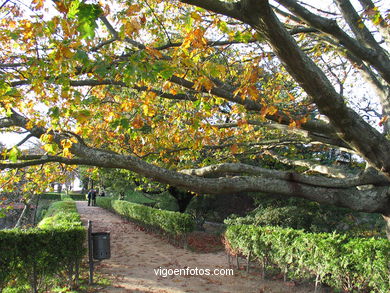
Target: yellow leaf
x=133 y=9
x=292 y=124
x=148 y=110
x=46 y=138
x=67 y=53
x=66 y=153
x=272 y=110
x=66 y=143
x=196 y=16
x=132 y=27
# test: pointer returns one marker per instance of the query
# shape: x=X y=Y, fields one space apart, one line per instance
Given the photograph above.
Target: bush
x=311 y=216
x=334 y=259
x=50 y=196
x=169 y=222
x=62 y=196
x=74 y=196
x=52 y=251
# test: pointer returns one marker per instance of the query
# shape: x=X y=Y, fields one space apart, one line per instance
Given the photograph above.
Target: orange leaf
x=137 y=122
x=234 y=148
x=383 y=120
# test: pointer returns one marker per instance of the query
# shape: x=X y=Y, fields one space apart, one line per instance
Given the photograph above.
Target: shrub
x=74 y=196
x=39 y=255
x=169 y=222
x=50 y=196
x=337 y=260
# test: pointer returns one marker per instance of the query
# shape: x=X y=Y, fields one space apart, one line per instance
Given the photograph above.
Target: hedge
x=173 y=223
x=333 y=259
x=62 y=196
x=51 y=251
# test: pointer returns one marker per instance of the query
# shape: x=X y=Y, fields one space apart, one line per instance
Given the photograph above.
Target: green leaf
x=14 y=154
x=54 y=112
x=82 y=56
x=74 y=9
x=86 y=14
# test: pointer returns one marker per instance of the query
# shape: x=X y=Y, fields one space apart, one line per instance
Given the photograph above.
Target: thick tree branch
x=40 y=160
x=369 y=8
x=378 y=59
x=6 y=122
x=372 y=200
x=357 y=25
x=350 y=126
x=313 y=167
x=240 y=169
x=221 y=7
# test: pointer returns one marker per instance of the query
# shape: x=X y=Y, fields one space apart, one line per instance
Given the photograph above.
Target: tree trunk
x=183 y=198
x=19 y=222
x=387 y=220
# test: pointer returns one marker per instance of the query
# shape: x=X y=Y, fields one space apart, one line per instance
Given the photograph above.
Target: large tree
x=181 y=91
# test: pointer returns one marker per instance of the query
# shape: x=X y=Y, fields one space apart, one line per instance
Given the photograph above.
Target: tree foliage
x=200 y=94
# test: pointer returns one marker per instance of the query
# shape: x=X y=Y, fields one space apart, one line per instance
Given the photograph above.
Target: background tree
x=175 y=90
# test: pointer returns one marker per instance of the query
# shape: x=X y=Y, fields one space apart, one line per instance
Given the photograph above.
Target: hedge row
x=62 y=196
x=333 y=259
x=173 y=223
x=39 y=257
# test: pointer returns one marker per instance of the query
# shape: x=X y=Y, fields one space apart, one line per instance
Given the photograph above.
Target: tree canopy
x=202 y=95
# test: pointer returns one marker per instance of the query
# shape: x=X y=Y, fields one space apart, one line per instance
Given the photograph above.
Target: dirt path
x=135 y=255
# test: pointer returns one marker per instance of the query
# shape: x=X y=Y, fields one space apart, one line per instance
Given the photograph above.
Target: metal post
x=90 y=252
x=248 y=263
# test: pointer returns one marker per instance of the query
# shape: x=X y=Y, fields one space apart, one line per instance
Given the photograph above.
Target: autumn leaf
x=148 y=110
x=234 y=149
x=137 y=122
x=37 y=4
x=292 y=124
x=383 y=120
x=66 y=143
x=196 y=16
x=134 y=8
x=132 y=26
x=47 y=138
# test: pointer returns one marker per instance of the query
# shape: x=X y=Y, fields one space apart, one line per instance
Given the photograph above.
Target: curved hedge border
x=38 y=255
x=341 y=262
x=173 y=223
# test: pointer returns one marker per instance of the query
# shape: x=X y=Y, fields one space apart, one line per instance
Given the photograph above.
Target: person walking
x=94 y=193
x=89 y=196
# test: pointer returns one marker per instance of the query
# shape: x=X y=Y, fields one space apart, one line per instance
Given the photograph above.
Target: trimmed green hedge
x=52 y=251
x=74 y=196
x=334 y=259
x=62 y=196
x=173 y=223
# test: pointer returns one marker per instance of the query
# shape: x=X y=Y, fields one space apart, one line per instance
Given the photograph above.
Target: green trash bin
x=101 y=245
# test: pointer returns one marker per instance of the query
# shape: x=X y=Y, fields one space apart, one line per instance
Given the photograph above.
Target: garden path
x=136 y=254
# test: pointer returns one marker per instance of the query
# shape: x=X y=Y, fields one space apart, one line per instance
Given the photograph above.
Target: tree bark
x=387 y=221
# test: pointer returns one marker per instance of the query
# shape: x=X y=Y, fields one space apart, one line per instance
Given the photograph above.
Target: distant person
x=89 y=196
x=102 y=193
x=121 y=196
x=94 y=193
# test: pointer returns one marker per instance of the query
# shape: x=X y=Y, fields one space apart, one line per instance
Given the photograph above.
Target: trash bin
x=101 y=245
